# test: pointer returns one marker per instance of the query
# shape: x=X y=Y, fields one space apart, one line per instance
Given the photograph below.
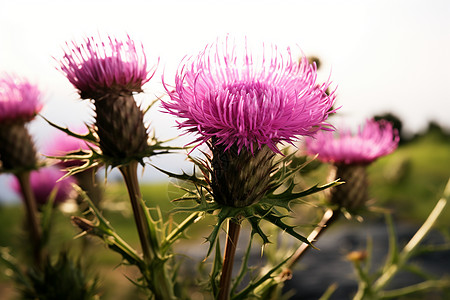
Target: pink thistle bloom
x=247 y=102
x=375 y=139
x=44 y=180
x=97 y=67
x=19 y=100
x=63 y=144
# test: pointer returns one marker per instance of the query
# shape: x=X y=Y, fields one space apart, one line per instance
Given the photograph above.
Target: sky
x=383 y=56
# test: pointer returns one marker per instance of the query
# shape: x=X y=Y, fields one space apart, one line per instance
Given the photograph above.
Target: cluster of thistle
x=244 y=107
x=42 y=187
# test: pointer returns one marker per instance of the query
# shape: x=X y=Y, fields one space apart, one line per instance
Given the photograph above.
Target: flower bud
x=19 y=104
x=353 y=194
x=17 y=151
x=120 y=126
x=108 y=71
x=240 y=178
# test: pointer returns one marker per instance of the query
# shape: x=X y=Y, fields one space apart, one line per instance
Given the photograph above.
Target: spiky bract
x=240 y=179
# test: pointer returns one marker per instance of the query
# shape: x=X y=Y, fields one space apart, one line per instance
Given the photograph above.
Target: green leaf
x=254 y=222
x=103 y=229
x=184 y=176
x=255 y=284
x=89 y=137
x=393 y=253
x=151 y=105
x=47 y=216
x=216 y=270
x=222 y=216
x=244 y=267
x=289 y=195
x=277 y=221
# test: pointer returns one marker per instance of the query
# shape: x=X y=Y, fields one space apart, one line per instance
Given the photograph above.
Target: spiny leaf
x=254 y=222
x=104 y=230
x=150 y=105
x=89 y=137
x=254 y=284
x=213 y=235
x=184 y=176
x=277 y=220
x=216 y=269
x=11 y=262
x=244 y=267
x=288 y=194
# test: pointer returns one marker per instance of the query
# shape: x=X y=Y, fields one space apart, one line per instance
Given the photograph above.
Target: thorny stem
x=129 y=173
x=31 y=215
x=156 y=274
x=328 y=218
x=234 y=228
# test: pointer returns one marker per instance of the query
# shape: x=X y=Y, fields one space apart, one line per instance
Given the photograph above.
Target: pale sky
x=384 y=55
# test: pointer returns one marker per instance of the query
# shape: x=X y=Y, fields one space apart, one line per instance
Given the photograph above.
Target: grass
x=413 y=178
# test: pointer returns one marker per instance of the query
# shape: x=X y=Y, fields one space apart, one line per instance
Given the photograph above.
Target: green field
x=412 y=179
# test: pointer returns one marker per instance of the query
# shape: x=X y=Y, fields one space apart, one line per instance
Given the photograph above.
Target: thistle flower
x=248 y=103
x=243 y=107
x=375 y=139
x=98 y=67
x=351 y=153
x=44 y=181
x=109 y=72
x=19 y=100
x=19 y=104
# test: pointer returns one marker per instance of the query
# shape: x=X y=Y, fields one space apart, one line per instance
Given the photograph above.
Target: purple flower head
x=248 y=101
x=44 y=180
x=19 y=100
x=63 y=144
x=375 y=139
x=97 y=67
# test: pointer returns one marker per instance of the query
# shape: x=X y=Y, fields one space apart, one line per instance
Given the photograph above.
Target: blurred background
x=385 y=58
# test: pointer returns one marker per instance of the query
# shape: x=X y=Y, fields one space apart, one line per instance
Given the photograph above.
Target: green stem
x=364 y=290
x=155 y=273
x=32 y=216
x=234 y=228
x=129 y=173
x=426 y=285
x=412 y=244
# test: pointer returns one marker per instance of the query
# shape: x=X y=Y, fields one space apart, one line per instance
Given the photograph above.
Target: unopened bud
x=353 y=194
x=240 y=179
x=17 y=151
x=120 y=127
